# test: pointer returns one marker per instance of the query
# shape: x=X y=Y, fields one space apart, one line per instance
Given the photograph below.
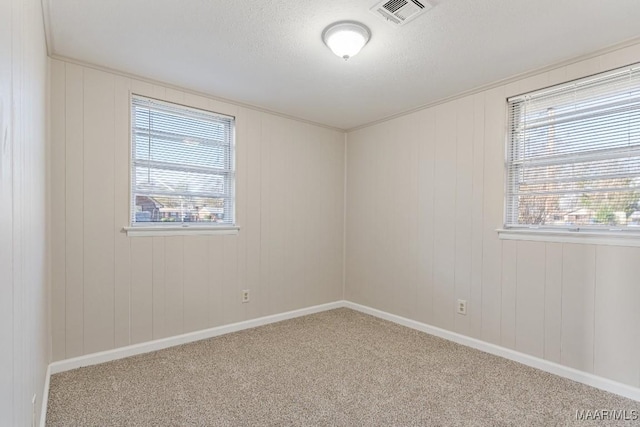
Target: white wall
x=24 y=315
x=424 y=200
x=110 y=290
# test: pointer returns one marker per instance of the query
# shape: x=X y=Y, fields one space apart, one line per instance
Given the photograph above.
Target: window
x=182 y=166
x=573 y=157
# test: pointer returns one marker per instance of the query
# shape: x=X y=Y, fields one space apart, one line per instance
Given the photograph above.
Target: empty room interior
x=351 y=212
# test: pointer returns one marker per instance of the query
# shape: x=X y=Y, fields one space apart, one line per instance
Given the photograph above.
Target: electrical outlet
x=245 y=295
x=462 y=307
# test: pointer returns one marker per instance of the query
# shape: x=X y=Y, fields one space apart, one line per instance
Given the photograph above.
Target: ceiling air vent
x=399 y=12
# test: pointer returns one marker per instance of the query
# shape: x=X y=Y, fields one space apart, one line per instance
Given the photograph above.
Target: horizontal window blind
x=573 y=157
x=182 y=164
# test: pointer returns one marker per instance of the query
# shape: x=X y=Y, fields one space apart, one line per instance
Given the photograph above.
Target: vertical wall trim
x=561 y=300
x=49 y=214
x=344 y=219
x=455 y=209
x=46 y=24
x=544 y=298
x=115 y=216
x=66 y=204
x=45 y=397
x=84 y=173
x=595 y=312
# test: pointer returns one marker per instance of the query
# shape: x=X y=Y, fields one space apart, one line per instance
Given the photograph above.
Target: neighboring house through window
x=573 y=156
x=182 y=165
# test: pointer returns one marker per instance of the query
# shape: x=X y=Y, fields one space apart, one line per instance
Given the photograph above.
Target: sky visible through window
x=574 y=159
x=182 y=164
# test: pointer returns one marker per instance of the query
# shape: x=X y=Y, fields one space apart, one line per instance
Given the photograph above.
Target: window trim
x=586 y=237
x=182 y=229
x=598 y=236
x=185 y=230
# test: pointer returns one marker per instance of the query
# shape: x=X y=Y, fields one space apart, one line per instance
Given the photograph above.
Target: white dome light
x=346 y=38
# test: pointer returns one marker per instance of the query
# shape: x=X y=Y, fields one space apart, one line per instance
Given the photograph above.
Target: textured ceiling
x=269 y=53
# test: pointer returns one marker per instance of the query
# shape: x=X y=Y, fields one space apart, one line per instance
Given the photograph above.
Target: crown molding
x=514 y=78
x=190 y=91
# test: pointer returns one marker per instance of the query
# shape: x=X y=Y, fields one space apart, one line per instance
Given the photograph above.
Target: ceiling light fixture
x=346 y=38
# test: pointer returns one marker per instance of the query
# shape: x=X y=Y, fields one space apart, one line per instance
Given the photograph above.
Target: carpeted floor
x=337 y=368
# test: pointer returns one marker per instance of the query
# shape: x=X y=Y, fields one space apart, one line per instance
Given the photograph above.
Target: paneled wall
x=24 y=314
x=110 y=290
x=424 y=199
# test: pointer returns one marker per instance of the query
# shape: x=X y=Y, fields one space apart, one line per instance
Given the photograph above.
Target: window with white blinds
x=573 y=157
x=182 y=166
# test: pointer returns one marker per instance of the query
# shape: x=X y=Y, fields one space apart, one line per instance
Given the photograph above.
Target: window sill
x=181 y=230
x=609 y=238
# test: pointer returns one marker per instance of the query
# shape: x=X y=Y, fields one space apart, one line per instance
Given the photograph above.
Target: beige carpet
x=339 y=368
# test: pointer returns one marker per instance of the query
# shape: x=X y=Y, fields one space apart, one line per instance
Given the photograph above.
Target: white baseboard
x=535 y=362
x=146 y=347
x=45 y=397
